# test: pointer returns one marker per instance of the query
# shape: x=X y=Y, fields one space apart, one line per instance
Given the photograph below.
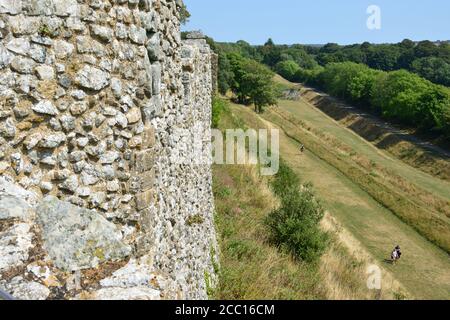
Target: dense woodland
x=406 y=82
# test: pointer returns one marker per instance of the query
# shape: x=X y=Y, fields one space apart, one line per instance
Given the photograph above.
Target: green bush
x=361 y=86
x=294 y=226
x=284 y=181
x=309 y=76
x=218 y=107
x=287 y=69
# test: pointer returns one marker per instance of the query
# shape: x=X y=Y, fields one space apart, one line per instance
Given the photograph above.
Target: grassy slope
x=250 y=267
x=399 y=143
x=422 y=209
x=253 y=269
x=304 y=111
x=425 y=269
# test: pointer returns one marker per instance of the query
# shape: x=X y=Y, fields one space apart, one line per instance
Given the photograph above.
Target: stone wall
x=186 y=241
x=93 y=95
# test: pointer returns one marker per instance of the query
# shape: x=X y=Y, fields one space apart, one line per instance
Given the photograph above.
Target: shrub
x=285 y=180
x=218 y=107
x=309 y=76
x=294 y=226
x=287 y=69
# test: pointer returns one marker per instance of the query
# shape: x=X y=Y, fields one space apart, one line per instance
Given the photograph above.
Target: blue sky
x=319 y=21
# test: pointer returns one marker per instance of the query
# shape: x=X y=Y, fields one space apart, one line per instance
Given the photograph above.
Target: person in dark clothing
x=302 y=148
x=396 y=254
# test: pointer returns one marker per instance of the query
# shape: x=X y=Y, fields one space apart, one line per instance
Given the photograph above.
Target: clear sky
x=319 y=21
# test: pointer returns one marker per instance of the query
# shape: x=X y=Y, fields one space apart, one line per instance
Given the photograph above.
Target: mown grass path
x=424 y=270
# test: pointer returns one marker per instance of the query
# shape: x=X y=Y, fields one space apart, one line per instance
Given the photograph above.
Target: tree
x=383 y=57
x=330 y=48
x=225 y=75
x=295 y=224
x=269 y=43
x=270 y=53
x=398 y=96
x=407 y=44
x=184 y=13
x=311 y=77
x=287 y=69
x=252 y=82
x=237 y=67
x=258 y=86
x=446 y=123
x=365 y=46
x=299 y=56
x=337 y=77
x=355 y=54
x=426 y=49
x=434 y=69
x=433 y=104
x=360 y=88
x=444 y=52
x=406 y=59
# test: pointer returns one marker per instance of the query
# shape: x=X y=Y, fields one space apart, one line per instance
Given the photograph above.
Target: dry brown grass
x=345 y=278
x=250 y=267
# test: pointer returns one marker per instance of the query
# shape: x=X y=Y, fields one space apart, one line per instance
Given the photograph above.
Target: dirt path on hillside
x=304 y=111
x=425 y=269
x=403 y=134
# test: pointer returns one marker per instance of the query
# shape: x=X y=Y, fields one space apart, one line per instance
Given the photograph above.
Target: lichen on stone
x=77 y=238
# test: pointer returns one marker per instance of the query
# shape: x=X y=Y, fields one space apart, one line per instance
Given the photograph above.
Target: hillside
x=424 y=271
x=252 y=268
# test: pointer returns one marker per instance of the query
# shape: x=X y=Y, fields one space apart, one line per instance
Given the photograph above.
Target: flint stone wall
x=92 y=97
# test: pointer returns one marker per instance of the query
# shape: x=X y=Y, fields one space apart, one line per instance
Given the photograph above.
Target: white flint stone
x=15 y=243
x=19 y=45
x=46 y=186
x=92 y=78
x=10 y=6
x=109 y=157
x=45 y=72
x=45 y=107
x=137 y=35
x=53 y=140
x=22 y=65
x=73 y=236
x=104 y=33
x=65 y=8
x=63 y=49
x=78 y=94
x=22 y=289
x=32 y=140
x=5 y=56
